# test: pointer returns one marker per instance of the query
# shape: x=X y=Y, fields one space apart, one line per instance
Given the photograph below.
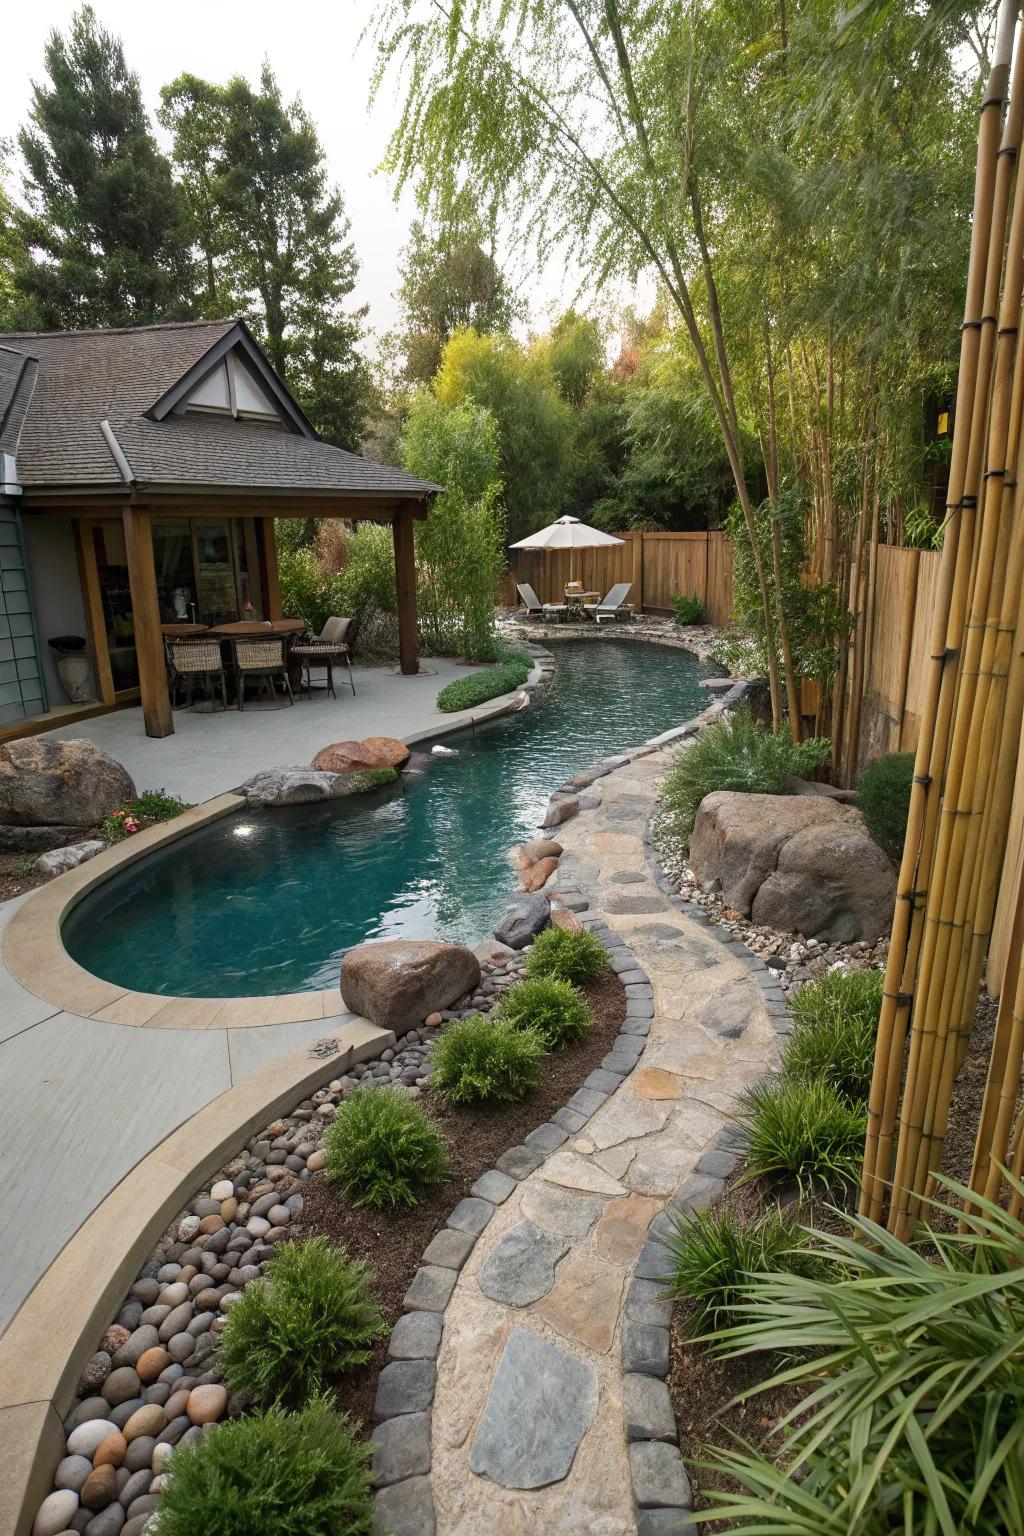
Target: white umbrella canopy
x=567 y=533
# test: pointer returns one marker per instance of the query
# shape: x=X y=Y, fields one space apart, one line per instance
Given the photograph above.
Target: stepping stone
x=541 y=1403
x=628 y=1119
x=625 y=903
x=576 y=1172
x=583 y=1303
x=622 y=1230
x=656 y=1083
x=521 y=1267
x=565 y=1212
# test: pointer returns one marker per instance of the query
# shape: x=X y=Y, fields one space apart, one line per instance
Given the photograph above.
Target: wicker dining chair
x=196 y=656
x=264 y=658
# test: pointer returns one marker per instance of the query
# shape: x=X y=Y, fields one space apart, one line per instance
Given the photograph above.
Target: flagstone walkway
x=550 y=1411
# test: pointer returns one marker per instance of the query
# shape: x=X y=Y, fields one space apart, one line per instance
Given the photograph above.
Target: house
x=141 y=471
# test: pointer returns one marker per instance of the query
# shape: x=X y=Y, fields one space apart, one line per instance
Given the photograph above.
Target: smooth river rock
x=398 y=982
x=541 y=1403
x=525 y=917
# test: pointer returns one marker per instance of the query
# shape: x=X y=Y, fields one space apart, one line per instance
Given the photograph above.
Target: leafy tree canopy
x=274 y=237
x=450 y=281
x=105 y=223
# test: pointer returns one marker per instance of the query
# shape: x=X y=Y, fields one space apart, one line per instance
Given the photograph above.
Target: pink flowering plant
x=145 y=810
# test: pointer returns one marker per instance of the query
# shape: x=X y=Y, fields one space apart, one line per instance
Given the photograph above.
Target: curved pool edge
x=32 y=948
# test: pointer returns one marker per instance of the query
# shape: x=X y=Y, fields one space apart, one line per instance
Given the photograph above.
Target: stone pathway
x=555 y=1341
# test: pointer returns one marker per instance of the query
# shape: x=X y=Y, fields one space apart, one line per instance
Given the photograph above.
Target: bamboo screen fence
x=971 y=692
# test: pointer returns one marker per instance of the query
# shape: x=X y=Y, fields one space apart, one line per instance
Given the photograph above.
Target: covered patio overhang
x=137 y=506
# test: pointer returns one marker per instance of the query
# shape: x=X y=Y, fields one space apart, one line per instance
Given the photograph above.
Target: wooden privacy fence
x=658 y=566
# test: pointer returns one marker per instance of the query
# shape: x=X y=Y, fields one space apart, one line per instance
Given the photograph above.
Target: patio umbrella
x=567 y=533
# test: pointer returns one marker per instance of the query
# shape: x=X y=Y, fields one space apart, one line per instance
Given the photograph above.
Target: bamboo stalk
x=993 y=177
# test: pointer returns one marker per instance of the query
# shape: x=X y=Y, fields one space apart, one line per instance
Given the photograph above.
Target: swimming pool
x=268 y=902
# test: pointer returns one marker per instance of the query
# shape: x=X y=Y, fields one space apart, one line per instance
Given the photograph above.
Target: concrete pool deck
x=211 y=753
x=84 y=1098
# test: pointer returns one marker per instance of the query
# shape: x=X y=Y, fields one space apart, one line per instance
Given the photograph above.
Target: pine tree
x=274 y=237
x=105 y=221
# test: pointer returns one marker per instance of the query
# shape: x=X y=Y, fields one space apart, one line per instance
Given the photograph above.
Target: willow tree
x=580 y=117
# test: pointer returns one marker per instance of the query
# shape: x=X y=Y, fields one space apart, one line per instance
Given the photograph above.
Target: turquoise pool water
x=268 y=902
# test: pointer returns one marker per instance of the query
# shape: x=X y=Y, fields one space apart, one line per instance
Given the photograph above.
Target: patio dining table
x=576 y=601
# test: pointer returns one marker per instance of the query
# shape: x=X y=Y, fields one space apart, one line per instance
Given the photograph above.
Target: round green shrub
x=383 y=1150
x=276 y=1474
x=883 y=795
x=485 y=1061
x=804 y=1130
x=310 y=1317
x=557 y=1010
x=835 y=1030
x=566 y=956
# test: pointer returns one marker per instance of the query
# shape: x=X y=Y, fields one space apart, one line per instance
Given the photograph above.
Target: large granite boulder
x=397 y=983
x=798 y=863
x=301 y=786
x=59 y=783
x=347 y=757
x=527 y=915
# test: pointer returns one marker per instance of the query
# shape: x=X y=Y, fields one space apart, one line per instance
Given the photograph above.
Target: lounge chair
x=613 y=606
x=535 y=609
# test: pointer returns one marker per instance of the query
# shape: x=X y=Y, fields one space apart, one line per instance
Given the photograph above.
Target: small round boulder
x=392 y=753
x=396 y=983
x=206 y=1404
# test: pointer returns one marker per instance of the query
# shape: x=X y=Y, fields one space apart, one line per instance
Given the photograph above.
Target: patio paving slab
x=211 y=753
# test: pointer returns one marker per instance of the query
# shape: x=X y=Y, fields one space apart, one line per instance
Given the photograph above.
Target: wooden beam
x=270 y=578
x=92 y=601
x=405 y=584
x=149 y=641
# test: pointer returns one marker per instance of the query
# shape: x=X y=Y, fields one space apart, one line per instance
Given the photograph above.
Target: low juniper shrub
x=835 y=1030
x=566 y=955
x=275 y=1473
x=556 y=1010
x=479 y=1060
x=883 y=795
x=310 y=1317
x=382 y=1149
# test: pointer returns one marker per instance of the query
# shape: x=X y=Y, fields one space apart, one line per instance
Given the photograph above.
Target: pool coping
x=33 y=951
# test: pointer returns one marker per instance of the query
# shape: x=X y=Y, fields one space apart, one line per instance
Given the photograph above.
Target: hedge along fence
x=657 y=565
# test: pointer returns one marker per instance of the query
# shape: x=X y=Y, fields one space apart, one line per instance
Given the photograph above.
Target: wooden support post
x=270 y=579
x=405 y=583
x=149 y=640
x=92 y=602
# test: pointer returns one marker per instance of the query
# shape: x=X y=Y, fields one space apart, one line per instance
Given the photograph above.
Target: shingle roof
x=88 y=377
x=17 y=380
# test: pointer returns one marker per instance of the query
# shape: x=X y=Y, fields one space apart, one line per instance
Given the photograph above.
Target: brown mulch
x=392 y=1243
x=17 y=875
x=703 y=1387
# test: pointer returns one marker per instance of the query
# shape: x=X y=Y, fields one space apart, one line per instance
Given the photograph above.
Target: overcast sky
x=314 y=50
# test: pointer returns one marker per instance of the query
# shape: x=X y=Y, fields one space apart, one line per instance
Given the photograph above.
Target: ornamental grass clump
x=556 y=1010
x=275 y=1474
x=883 y=798
x=805 y=1130
x=834 y=1035
x=477 y=1060
x=911 y=1358
x=310 y=1317
x=714 y=1257
x=740 y=754
x=565 y=955
x=383 y=1150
